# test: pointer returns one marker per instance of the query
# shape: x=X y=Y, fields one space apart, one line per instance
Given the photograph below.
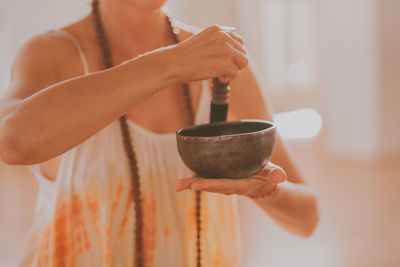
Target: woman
x=60 y=116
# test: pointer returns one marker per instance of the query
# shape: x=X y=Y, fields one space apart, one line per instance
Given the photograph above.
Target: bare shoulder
x=43 y=60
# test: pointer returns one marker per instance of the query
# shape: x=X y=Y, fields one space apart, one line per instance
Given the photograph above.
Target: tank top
x=86 y=216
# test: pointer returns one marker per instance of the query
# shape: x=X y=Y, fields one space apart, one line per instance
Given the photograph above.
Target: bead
x=127 y=142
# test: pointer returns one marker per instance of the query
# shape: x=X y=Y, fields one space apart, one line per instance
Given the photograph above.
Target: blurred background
x=330 y=69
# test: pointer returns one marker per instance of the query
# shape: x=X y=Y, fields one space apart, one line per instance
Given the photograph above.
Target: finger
x=273 y=173
x=215 y=28
x=226 y=186
x=277 y=175
x=236 y=36
x=271 y=164
x=211 y=29
x=230 y=67
x=231 y=73
x=240 y=59
x=228 y=78
x=224 y=79
x=185 y=183
x=227 y=28
x=233 y=42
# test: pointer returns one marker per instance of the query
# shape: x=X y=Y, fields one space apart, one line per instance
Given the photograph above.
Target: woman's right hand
x=214 y=52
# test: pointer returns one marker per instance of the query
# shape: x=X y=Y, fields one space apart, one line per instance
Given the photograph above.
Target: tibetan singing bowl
x=227 y=149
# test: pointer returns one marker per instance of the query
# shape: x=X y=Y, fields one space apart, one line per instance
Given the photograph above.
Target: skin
x=47 y=84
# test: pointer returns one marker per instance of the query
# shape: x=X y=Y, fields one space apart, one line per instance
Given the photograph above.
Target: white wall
x=347 y=38
x=21 y=19
x=389 y=49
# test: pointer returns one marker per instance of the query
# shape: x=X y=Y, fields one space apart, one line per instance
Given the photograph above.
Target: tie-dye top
x=86 y=217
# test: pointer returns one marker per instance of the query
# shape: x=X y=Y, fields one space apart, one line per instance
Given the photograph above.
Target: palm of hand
x=258 y=185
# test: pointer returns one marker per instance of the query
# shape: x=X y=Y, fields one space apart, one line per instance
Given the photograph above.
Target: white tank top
x=86 y=217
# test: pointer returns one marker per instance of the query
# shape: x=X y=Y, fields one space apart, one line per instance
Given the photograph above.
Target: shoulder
x=52 y=49
x=46 y=46
x=49 y=46
x=45 y=59
x=46 y=51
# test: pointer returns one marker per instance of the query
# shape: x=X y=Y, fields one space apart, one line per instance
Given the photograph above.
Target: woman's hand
x=261 y=184
x=214 y=52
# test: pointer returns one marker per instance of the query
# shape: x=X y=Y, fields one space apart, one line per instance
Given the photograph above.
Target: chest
x=167 y=110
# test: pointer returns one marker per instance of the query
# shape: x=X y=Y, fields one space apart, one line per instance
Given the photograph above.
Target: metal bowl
x=227 y=149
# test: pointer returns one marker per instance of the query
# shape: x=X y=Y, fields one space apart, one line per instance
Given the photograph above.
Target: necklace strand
x=129 y=150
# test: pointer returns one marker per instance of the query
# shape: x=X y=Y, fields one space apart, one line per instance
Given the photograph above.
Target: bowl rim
x=270 y=130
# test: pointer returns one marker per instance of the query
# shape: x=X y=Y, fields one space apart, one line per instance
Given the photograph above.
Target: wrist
x=154 y=70
x=272 y=196
x=169 y=69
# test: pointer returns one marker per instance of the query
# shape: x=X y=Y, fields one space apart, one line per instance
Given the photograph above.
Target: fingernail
x=278 y=175
x=228 y=28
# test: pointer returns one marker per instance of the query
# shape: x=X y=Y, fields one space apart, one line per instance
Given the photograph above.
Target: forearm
x=293 y=207
x=65 y=114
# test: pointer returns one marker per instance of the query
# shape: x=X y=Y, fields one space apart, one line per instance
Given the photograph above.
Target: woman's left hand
x=261 y=184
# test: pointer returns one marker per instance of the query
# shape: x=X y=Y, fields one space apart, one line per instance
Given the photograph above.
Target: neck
x=131 y=29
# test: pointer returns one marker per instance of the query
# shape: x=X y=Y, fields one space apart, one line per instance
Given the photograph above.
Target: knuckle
x=214 y=28
x=222 y=35
x=221 y=42
x=225 y=36
x=240 y=39
x=229 y=63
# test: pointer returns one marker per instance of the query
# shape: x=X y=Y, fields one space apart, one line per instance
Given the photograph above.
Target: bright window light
x=298 y=124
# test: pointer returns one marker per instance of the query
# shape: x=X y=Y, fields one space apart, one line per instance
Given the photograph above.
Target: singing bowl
x=227 y=149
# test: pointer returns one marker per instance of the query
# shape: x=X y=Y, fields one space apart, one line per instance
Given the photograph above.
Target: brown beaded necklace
x=129 y=150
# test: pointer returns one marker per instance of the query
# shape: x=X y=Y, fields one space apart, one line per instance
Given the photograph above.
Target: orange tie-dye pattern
x=90 y=219
x=44 y=248
x=107 y=247
x=167 y=232
x=92 y=203
x=61 y=251
x=149 y=230
x=217 y=259
x=120 y=190
x=124 y=220
x=68 y=223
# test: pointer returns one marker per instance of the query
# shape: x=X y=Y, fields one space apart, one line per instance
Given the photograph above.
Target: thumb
x=277 y=175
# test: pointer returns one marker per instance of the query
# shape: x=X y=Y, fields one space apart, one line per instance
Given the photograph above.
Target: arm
x=39 y=111
x=292 y=205
x=46 y=109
